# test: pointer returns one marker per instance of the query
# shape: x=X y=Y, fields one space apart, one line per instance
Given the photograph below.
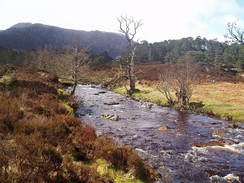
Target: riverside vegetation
x=41 y=140
x=214 y=92
x=222 y=99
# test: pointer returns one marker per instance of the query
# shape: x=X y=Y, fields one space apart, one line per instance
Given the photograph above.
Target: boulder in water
x=112 y=117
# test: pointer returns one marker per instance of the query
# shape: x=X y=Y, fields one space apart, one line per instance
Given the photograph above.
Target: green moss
x=104 y=169
x=65 y=81
x=147 y=93
x=7 y=79
x=118 y=176
x=62 y=92
x=69 y=109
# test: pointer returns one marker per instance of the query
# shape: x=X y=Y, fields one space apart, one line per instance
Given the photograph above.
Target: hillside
x=27 y=36
x=41 y=140
x=8 y=56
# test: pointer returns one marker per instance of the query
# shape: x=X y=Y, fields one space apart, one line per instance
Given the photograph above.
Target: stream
x=184 y=148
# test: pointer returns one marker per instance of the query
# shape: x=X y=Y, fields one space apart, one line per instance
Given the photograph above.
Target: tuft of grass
x=68 y=108
x=65 y=81
x=62 y=92
x=104 y=168
x=7 y=79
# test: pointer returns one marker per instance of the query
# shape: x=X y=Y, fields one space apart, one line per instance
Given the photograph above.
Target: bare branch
x=129 y=26
x=234 y=33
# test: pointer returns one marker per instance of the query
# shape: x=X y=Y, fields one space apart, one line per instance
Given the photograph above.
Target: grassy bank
x=42 y=141
x=222 y=98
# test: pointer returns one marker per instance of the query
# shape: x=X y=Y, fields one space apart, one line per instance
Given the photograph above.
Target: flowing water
x=184 y=148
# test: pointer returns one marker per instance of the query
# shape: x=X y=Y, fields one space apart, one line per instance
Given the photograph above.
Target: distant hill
x=8 y=56
x=27 y=36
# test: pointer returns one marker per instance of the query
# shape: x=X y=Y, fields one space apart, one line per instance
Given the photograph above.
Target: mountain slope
x=29 y=36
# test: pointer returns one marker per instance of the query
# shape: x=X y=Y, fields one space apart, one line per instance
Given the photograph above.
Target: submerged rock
x=219 y=133
x=100 y=92
x=234 y=126
x=111 y=103
x=163 y=128
x=212 y=143
x=147 y=105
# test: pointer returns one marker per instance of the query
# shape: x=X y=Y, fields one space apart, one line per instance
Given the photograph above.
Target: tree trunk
x=74 y=88
x=182 y=98
x=132 y=77
x=74 y=76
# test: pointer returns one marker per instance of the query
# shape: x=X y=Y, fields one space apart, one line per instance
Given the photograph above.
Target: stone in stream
x=111 y=103
x=219 y=133
x=212 y=143
x=230 y=178
x=112 y=117
x=147 y=105
x=161 y=164
x=234 y=126
x=163 y=128
x=100 y=92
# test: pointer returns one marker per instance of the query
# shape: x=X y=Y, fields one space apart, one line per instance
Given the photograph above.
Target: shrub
x=41 y=141
x=84 y=143
x=54 y=131
x=28 y=159
x=10 y=112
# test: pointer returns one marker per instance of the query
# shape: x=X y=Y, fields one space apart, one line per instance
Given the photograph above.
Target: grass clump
x=62 y=92
x=119 y=176
x=7 y=79
x=68 y=108
x=65 y=81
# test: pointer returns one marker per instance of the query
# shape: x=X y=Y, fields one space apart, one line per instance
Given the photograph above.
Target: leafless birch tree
x=129 y=27
x=234 y=33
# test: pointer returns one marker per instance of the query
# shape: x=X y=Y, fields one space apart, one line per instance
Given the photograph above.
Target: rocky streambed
x=184 y=148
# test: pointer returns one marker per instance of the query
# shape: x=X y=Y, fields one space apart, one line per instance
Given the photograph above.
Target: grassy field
x=222 y=98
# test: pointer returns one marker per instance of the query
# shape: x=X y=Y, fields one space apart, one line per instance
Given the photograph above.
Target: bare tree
x=42 y=59
x=80 y=58
x=129 y=27
x=234 y=33
x=176 y=83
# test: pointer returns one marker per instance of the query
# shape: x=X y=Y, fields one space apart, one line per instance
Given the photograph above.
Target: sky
x=162 y=19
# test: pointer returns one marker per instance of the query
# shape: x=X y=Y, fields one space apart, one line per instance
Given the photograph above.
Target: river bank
x=183 y=147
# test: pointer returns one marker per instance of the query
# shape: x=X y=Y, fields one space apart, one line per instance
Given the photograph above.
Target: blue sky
x=162 y=19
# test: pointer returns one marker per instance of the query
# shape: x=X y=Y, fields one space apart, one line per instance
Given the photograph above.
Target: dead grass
x=222 y=98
